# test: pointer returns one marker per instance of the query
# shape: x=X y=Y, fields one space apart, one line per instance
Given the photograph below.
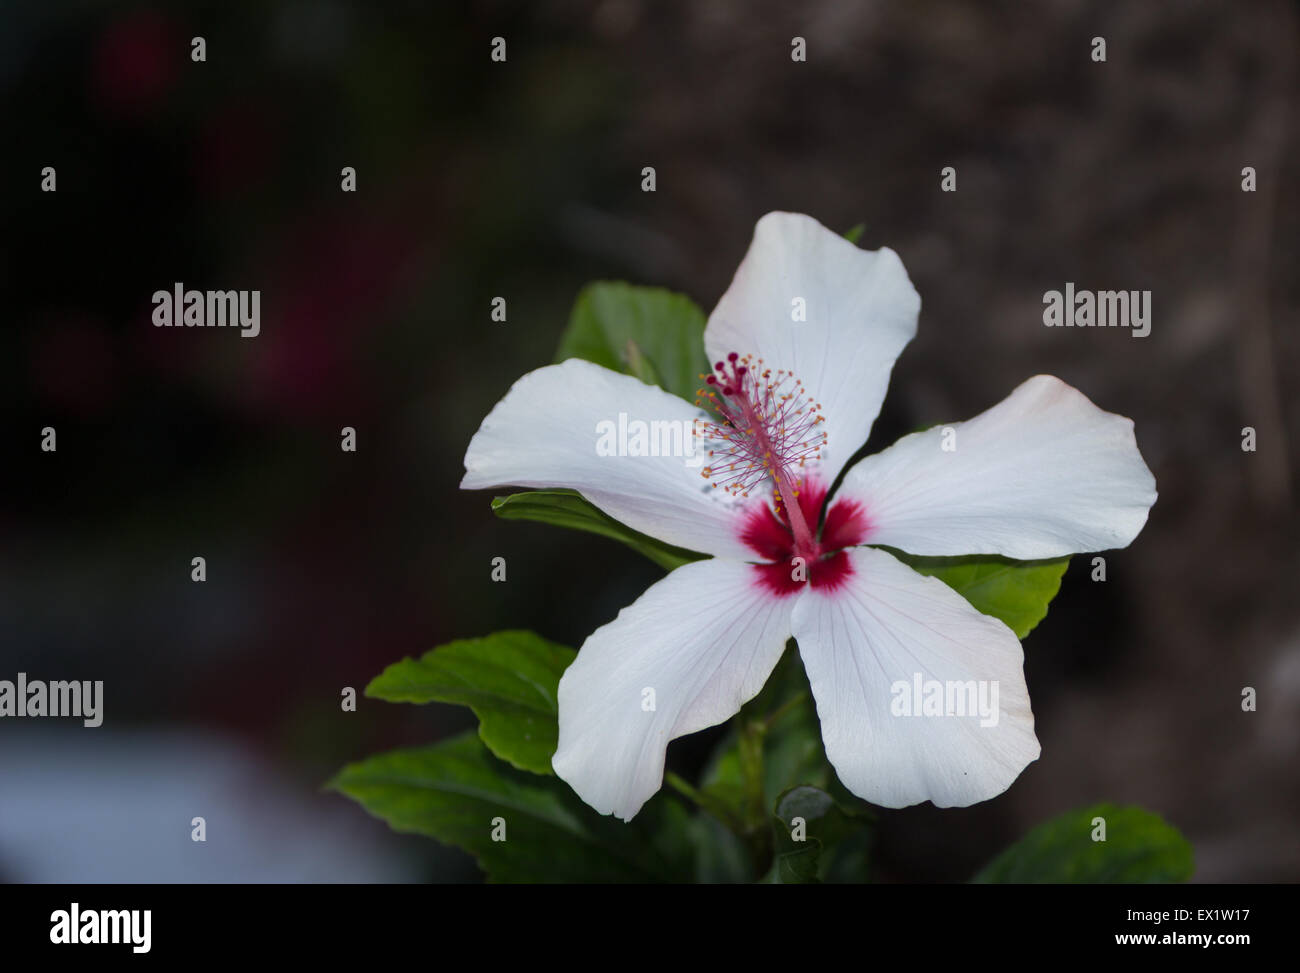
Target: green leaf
x=509 y=679
x=821 y=824
x=568 y=508
x=1017 y=592
x=640 y=366
x=795 y=863
x=1139 y=847
x=649 y=332
x=854 y=233
x=452 y=791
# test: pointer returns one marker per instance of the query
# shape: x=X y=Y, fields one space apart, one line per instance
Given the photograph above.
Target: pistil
x=769 y=430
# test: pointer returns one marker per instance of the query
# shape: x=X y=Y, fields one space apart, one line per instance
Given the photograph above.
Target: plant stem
x=705 y=802
x=757 y=829
x=785 y=707
x=683 y=787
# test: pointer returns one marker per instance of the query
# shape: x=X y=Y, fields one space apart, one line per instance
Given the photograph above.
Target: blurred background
x=523 y=179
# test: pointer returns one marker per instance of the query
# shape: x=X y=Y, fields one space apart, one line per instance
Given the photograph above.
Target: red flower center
x=826 y=565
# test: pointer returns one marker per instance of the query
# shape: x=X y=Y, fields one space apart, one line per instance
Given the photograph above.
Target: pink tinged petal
x=887 y=627
x=703 y=641
x=861 y=311
x=547 y=433
x=1042 y=474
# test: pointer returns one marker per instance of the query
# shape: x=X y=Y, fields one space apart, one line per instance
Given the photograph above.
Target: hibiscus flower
x=803 y=342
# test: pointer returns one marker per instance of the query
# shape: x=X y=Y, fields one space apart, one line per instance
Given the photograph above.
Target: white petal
x=703 y=640
x=547 y=433
x=861 y=310
x=1042 y=474
x=881 y=628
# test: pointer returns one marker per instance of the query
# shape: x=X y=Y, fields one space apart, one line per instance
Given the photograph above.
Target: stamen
x=768 y=429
